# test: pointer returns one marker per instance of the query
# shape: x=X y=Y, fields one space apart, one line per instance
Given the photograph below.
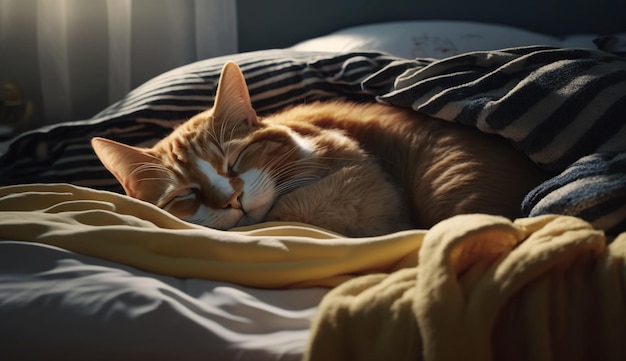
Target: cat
x=358 y=169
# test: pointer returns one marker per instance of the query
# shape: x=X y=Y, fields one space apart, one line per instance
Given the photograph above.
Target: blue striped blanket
x=564 y=108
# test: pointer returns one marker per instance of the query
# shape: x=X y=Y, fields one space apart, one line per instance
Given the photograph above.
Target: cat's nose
x=234 y=201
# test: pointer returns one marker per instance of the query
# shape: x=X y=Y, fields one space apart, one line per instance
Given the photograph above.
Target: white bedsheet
x=56 y=304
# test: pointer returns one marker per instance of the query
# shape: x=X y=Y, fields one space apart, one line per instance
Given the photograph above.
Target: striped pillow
x=62 y=152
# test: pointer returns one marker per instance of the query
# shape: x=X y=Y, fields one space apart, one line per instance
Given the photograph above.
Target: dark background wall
x=279 y=23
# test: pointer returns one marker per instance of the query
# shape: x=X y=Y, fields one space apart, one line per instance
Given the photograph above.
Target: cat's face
x=222 y=168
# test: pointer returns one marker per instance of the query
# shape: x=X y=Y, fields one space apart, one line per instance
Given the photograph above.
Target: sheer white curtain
x=72 y=58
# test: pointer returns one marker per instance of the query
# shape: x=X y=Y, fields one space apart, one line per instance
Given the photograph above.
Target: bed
x=88 y=273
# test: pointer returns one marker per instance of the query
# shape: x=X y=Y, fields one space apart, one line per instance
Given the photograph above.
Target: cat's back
x=444 y=168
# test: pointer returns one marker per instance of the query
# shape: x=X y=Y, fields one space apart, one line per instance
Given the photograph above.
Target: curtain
x=72 y=58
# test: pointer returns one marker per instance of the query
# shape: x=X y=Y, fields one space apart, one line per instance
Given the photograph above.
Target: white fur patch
x=305 y=147
x=221 y=183
x=258 y=197
x=259 y=194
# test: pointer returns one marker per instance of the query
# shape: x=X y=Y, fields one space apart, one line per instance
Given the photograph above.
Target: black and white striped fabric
x=565 y=108
x=62 y=153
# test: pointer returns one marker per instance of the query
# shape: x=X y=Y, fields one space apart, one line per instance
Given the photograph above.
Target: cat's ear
x=233 y=98
x=128 y=164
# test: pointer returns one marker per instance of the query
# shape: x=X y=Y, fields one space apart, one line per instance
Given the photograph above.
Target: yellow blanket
x=474 y=287
x=486 y=289
x=129 y=231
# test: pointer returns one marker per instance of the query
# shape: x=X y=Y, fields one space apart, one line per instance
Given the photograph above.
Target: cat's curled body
x=356 y=169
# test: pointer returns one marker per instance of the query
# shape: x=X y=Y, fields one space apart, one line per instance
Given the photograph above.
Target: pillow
x=436 y=39
x=62 y=153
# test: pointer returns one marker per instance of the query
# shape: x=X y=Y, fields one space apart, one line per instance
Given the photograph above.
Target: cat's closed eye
x=182 y=202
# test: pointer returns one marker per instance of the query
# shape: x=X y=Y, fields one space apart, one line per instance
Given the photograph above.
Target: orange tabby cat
x=357 y=169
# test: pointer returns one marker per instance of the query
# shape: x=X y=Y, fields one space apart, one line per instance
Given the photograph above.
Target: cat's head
x=222 y=168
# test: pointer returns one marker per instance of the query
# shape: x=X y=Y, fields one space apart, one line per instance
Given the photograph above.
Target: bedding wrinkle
x=474 y=287
x=145 y=315
x=138 y=234
x=468 y=288
x=485 y=288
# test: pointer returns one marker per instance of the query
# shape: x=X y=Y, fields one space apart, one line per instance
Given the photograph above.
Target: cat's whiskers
x=301 y=172
x=297 y=162
x=288 y=186
x=306 y=169
x=262 y=185
x=301 y=167
x=266 y=181
x=296 y=174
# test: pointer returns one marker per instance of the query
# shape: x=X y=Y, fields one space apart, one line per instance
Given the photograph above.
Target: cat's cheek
x=259 y=195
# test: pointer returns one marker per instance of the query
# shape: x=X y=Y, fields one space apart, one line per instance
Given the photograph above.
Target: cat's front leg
x=355 y=201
